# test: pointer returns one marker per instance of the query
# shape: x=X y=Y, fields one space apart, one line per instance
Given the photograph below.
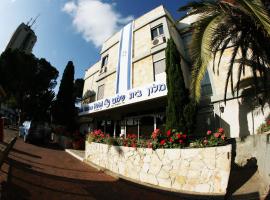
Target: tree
x=64 y=108
x=243 y=25
x=177 y=97
x=78 y=89
x=29 y=83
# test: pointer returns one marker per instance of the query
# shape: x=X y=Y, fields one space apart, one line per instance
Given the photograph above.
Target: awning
x=150 y=106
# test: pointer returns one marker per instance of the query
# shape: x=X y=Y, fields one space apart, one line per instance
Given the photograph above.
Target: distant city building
x=23 y=39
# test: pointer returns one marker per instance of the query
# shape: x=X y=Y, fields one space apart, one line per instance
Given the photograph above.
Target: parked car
x=33 y=131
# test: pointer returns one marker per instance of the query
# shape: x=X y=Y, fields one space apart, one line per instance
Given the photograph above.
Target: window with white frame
x=100 y=93
x=159 y=70
x=104 y=63
x=157 y=31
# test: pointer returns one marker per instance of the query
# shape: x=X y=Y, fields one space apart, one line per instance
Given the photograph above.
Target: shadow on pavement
x=25 y=153
x=46 y=165
x=268 y=195
x=240 y=175
x=49 y=145
x=23 y=182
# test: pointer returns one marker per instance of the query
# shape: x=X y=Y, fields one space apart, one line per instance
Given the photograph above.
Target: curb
x=69 y=151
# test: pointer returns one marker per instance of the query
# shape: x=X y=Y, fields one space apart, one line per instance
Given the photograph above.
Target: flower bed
x=172 y=139
x=202 y=170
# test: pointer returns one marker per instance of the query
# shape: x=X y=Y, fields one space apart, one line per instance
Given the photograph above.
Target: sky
x=74 y=29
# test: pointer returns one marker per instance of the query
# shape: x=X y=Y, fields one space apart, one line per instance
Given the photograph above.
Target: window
x=206 y=88
x=159 y=66
x=157 y=31
x=159 y=69
x=104 y=63
x=100 y=92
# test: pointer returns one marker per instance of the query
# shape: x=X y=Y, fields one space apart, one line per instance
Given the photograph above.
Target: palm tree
x=243 y=25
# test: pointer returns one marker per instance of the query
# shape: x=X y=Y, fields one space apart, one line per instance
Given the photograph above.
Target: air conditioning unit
x=159 y=40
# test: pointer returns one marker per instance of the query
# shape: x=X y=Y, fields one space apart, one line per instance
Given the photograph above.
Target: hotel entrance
x=139 y=118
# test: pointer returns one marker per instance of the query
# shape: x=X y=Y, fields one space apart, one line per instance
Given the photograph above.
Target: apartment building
x=125 y=91
x=23 y=39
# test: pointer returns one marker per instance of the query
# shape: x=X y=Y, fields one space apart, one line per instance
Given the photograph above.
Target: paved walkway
x=38 y=173
x=35 y=172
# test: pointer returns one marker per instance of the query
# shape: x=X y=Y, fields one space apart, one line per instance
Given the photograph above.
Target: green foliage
x=243 y=26
x=64 y=106
x=190 y=114
x=28 y=82
x=177 y=96
x=78 y=88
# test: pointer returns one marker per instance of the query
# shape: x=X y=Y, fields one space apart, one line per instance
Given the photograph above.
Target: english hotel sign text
x=131 y=96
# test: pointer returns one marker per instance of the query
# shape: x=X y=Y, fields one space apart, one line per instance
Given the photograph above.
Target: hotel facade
x=125 y=91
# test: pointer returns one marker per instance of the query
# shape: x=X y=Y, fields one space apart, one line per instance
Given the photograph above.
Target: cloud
x=95 y=20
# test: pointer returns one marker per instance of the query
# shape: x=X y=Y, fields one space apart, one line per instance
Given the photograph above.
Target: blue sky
x=74 y=29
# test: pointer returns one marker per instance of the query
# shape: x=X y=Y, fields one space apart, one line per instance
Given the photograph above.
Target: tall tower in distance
x=24 y=38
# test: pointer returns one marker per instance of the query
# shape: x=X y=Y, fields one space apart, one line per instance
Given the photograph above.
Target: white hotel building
x=125 y=91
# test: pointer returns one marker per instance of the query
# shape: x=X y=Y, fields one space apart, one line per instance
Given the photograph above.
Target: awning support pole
x=125 y=128
x=155 y=122
x=114 y=129
x=138 y=121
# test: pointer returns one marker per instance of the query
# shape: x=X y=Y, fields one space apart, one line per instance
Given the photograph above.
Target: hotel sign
x=135 y=95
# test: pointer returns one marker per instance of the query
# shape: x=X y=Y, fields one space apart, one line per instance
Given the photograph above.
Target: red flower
x=205 y=142
x=157 y=131
x=268 y=122
x=154 y=135
x=171 y=139
x=181 y=141
x=184 y=136
x=223 y=137
x=178 y=135
x=162 y=142
x=216 y=135
x=169 y=133
x=133 y=145
x=149 y=145
x=221 y=130
x=209 y=132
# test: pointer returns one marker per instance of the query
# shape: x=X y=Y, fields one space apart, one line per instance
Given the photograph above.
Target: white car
x=35 y=131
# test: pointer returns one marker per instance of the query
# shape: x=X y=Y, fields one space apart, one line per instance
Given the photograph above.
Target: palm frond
x=258 y=12
x=202 y=51
x=230 y=71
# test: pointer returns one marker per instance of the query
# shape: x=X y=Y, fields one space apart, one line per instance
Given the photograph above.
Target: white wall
x=239 y=118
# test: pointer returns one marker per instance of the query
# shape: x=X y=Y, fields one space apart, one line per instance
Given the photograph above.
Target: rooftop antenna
x=29 y=21
x=35 y=20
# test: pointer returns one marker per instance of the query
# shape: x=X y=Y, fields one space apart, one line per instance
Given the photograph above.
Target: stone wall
x=202 y=170
x=255 y=147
